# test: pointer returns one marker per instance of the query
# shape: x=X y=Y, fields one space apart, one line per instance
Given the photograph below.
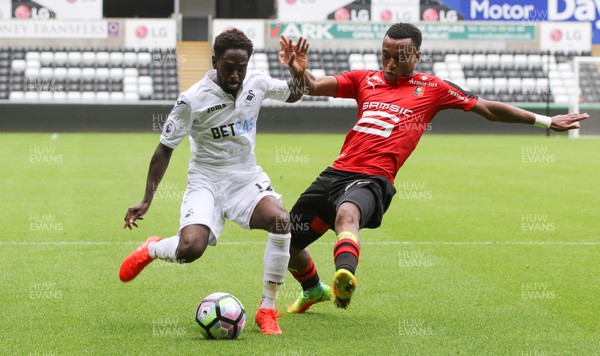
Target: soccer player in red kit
x=395 y=106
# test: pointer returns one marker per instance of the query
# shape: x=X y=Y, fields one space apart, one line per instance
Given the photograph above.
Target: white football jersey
x=222 y=129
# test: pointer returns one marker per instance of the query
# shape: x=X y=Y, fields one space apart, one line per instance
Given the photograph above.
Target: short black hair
x=232 y=39
x=402 y=30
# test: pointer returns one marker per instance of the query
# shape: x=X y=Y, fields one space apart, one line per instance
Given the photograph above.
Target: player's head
x=232 y=50
x=400 y=50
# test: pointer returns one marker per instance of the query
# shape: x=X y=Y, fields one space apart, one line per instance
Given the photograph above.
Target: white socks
x=165 y=249
x=277 y=256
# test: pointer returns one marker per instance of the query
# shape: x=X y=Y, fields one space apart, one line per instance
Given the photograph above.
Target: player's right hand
x=136 y=212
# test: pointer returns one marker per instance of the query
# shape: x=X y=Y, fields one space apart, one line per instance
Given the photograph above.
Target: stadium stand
x=88 y=74
x=100 y=74
x=518 y=77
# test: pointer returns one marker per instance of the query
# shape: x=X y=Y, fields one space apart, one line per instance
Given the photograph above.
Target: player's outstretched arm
x=497 y=111
x=322 y=86
x=158 y=167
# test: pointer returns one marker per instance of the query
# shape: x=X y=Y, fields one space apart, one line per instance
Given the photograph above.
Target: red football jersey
x=392 y=117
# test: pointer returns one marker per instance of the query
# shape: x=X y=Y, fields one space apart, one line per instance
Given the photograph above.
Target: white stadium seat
x=117 y=96
x=506 y=60
x=116 y=73
x=73 y=95
x=130 y=81
x=74 y=58
x=47 y=73
x=144 y=58
x=32 y=56
x=486 y=84
x=33 y=64
x=520 y=61
x=88 y=58
x=130 y=88
x=444 y=74
x=59 y=96
x=130 y=72
x=32 y=73
x=88 y=73
x=31 y=95
x=479 y=61
x=130 y=58
x=561 y=99
x=18 y=65
x=60 y=73
x=466 y=59
x=116 y=58
x=514 y=85
x=46 y=58
x=132 y=97
x=355 y=57
x=61 y=58
x=371 y=65
x=534 y=60
x=102 y=58
x=451 y=58
x=439 y=66
x=88 y=96
x=45 y=96
x=457 y=75
x=493 y=60
x=454 y=66
x=145 y=90
x=102 y=96
x=16 y=95
x=357 y=65
x=472 y=84
x=146 y=79
x=370 y=57
x=74 y=73
x=102 y=73
x=500 y=84
x=317 y=72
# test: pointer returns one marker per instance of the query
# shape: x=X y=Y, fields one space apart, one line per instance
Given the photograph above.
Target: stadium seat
x=486 y=84
x=472 y=84
x=19 y=65
x=88 y=58
x=16 y=96
x=59 y=96
x=506 y=60
x=74 y=58
x=117 y=96
x=46 y=58
x=32 y=96
x=144 y=58
x=514 y=85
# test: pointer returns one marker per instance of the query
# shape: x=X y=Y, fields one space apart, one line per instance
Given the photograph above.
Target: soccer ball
x=221 y=316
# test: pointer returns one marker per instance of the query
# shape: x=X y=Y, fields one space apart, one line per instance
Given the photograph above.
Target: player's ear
x=214 y=61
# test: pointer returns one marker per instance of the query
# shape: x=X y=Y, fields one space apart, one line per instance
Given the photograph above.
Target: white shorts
x=208 y=202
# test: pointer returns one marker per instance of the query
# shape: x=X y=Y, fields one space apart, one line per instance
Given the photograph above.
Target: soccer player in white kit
x=219 y=114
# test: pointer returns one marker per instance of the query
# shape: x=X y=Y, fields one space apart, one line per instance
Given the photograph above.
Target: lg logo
x=557 y=35
x=142 y=32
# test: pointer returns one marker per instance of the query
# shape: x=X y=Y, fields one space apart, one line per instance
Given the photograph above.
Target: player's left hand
x=294 y=55
x=567 y=122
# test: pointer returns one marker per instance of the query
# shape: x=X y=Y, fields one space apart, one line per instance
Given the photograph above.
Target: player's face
x=231 y=69
x=398 y=57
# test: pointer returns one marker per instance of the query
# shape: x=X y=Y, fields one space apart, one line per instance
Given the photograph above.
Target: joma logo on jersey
x=374 y=105
x=215 y=108
x=234 y=129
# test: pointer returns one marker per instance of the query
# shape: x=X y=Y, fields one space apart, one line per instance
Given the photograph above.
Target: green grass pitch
x=490 y=247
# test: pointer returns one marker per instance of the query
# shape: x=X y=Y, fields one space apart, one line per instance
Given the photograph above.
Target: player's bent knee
x=278 y=222
x=347 y=214
x=192 y=244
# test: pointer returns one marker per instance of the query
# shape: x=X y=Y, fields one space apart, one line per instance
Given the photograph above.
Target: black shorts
x=314 y=212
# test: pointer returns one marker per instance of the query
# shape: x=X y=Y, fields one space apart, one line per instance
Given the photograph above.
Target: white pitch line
x=382 y=243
